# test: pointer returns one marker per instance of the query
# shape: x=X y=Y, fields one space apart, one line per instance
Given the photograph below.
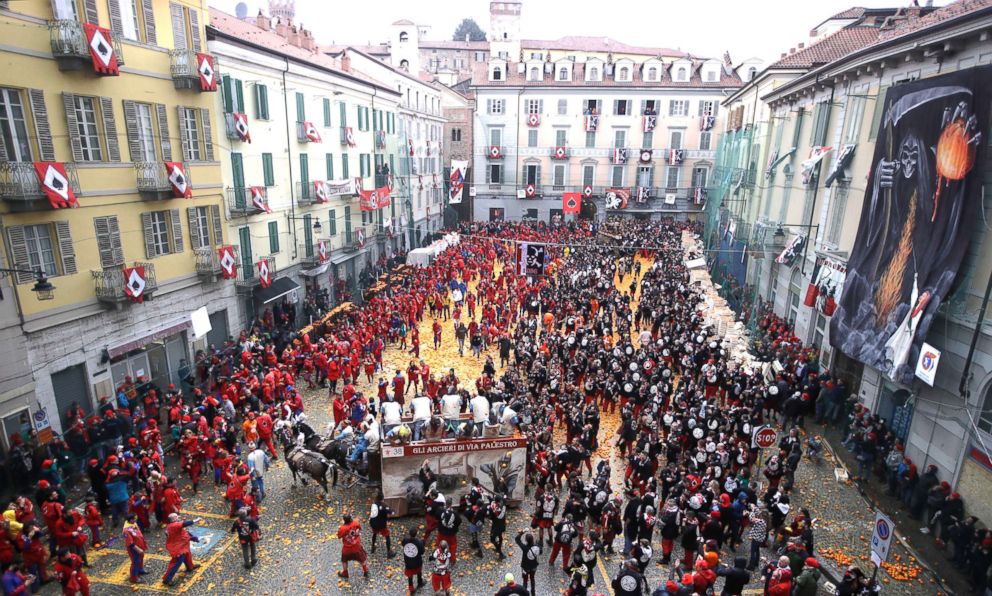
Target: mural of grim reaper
x=922 y=197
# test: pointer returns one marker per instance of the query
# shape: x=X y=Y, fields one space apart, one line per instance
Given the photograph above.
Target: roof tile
x=830 y=48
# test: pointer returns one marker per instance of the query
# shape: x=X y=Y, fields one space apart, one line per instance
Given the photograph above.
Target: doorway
x=69 y=385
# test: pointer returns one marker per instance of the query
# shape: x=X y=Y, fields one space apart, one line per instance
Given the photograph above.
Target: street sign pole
x=881 y=541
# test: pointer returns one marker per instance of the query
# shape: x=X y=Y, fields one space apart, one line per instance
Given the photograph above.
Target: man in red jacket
x=350 y=533
x=263 y=424
x=177 y=541
x=69 y=570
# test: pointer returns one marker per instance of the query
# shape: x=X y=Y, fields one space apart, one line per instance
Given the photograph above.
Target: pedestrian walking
x=441 y=576
x=529 y=559
x=248 y=531
x=258 y=465
x=177 y=540
x=350 y=533
x=134 y=542
x=413 y=560
x=379 y=522
x=511 y=587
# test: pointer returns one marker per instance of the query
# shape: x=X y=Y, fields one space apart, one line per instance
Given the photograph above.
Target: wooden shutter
x=194 y=28
x=208 y=135
x=42 y=131
x=182 y=132
x=178 y=26
x=177 y=231
x=3 y=149
x=217 y=224
x=108 y=240
x=66 y=250
x=69 y=101
x=227 y=94
x=194 y=230
x=146 y=225
x=89 y=8
x=163 y=132
x=148 y=14
x=134 y=146
x=239 y=93
x=110 y=129
x=116 y=24
x=19 y=253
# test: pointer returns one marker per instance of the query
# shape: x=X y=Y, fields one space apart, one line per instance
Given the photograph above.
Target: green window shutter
x=343 y=114
x=327 y=112
x=332 y=217
x=329 y=160
x=308 y=234
x=239 y=92
x=301 y=111
x=261 y=101
x=304 y=170
x=247 y=260
x=238 y=180
x=267 y=172
x=344 y=165
x=273 y=237
x=227 y=90
x=876 y=116
x=347 y=224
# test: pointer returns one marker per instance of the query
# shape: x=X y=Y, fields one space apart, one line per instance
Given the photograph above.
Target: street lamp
x=42 y=288
x=316 y=222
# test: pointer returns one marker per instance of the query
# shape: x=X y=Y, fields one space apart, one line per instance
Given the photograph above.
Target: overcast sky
x=762 y=28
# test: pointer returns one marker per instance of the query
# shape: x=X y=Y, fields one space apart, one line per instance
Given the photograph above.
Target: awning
x=347 y=256
x=141 y=342
x=316 y=270
x=279 y=288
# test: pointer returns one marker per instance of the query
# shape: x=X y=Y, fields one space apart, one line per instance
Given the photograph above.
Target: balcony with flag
x=114 y=290
x=247 y=279
x=22 y=189
x=208 y=265
x=305 y=193
x=153 y=180
x=74 y=49
x=495 y=152
x=236 y=127
x=314 y=254
x=245 y=200
x=193 y=70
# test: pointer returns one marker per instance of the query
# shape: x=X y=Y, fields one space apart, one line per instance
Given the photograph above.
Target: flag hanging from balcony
x=649 y=123
x=310 y=132
x=228 y=262
x=706 y=122
x=322 y=250
x=55 y=183
x=134 y=283
x=456 y=181
x=258 y=199
x=495 y=152
x=264 y=274
x=560 y=152
x=591 y=122
x=208 y=76
x=808 y=166
x=617 y=198
x=382 y=197
x=178 y=180
x=319 y=191
x=533 y=119
x=587 y=191
x=349 y=136
x=619 y=155
x=101 y=50
x=699 y=195
x=530 y=191
x=369 y=200
x=409 y=143
x=675 y=156
x=571 y=202
x=241 y=126
x=360 y=237
x=643 y=194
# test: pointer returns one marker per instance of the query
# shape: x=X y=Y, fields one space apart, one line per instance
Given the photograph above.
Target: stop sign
x=765 y=437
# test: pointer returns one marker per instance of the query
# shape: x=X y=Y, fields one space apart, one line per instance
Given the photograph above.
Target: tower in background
x=284 y=10
x=504 y=28
x=404 y=45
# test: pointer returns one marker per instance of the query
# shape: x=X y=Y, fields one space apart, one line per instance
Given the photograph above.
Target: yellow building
x=113 y=135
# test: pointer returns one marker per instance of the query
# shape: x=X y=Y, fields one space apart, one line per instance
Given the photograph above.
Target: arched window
x=535 y=73
x=751 y=73
x=623 y=74
x=652 y=74
x=404 y=36
x=682 y=74
x=405 y=64
x=563 y=74
x=593 y=73
x=497 y=73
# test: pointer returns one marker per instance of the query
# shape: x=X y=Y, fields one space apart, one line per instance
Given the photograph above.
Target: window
x=648 y=141
x=159 y=240
x=13 y=125
x=364 y=165
x=821 y=117
x=593 y=73
x=591 y=106
x=619 y=138
x=268 y=173
x=329 y=165
x=344 y=166
x=682 y=74
x=199 y=227
x=41 y=250
x=496 y=136
x=494 y=173
x=676 y=140
x=456 y=134
x=332 y=218
x=751 y=73
x=588 y=174
x=561 y=137
x=88 y=133
x=699 y=176
x=191 y=134
x=532 y=174
x=497 y=73
x=678 y=107
x=404 y=36
x=347 y=224
x=232 y=91
x=623 y=73
x=480 y=56
x=532 y=137
x=650 y=107
x=146 y=131
x=558 y=173
x=710 y=76
x=495 y=106
x=644 y=175
x=616 y=175
x=261 y=101
x=651 y=74
x=534 y=106
x=273 y=237
x=707 y=107
x=621 y=107
x=837 y=210
x=855 y=115
x=563 y=74
x=705 y=138
x=534 y=74
x=672 y=180
x=590 y=139
x=562 y=107
x=794 y=295
x=327 y=112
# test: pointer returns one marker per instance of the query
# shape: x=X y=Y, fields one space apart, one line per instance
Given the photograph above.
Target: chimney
x=783 y=55
x=802 y=45
x=294 y=37
x=281 y=29
x=345 y=61
x=262 y=22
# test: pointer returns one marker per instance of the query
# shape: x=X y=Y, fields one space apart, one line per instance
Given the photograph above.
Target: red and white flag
x=241 y=126
x=208 y=76
x=533 y=119
x=181 y=188
x=55 y=183
x=228 y=262
x=587 y=191
x=258 y=199
x=319 y=191
x=264 y=274
x=571 y=202
x=310 y=131
x=360 y=237
x=349 y=136
x=101 y=50
x=368 y=200
x=322 y=250
x=134 y=283
x=530 y=191
x=409 y=143
x=382 y=197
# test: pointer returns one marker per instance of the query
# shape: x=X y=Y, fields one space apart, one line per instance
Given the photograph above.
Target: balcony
x=208 y=262
x=304 y=193
x=310 y=254
x=247 y=278
x=185 y=70
x=153 y=181
x=301 y=132
x=495 y=152
x=20 y=188
x=70 y=48
x=229 y=128
x=109 y=285
x=239 y=200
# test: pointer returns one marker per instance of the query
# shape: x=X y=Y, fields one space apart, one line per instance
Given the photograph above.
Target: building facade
x=316 y=132
x=124 y=262
x=459 y=112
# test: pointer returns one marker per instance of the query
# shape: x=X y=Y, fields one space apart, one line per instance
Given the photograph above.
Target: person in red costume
x=350 y=533
x=263 y=424
x=69 y=570
x=177 y=540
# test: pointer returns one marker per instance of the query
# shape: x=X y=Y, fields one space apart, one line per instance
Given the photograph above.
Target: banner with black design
x=921 y=202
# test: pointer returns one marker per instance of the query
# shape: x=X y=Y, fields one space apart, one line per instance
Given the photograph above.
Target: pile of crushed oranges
x=902 y=571
x=837 y=556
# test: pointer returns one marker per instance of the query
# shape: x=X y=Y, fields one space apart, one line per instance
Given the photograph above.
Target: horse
x=303 y=462
x=335 y=451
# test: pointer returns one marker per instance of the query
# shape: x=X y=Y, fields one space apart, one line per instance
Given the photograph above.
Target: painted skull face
x=909 y=154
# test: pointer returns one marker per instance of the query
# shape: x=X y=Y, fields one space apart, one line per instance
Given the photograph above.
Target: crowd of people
x=612 y=333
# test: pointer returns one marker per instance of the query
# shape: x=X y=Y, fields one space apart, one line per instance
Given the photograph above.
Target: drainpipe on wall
x=289 y=160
